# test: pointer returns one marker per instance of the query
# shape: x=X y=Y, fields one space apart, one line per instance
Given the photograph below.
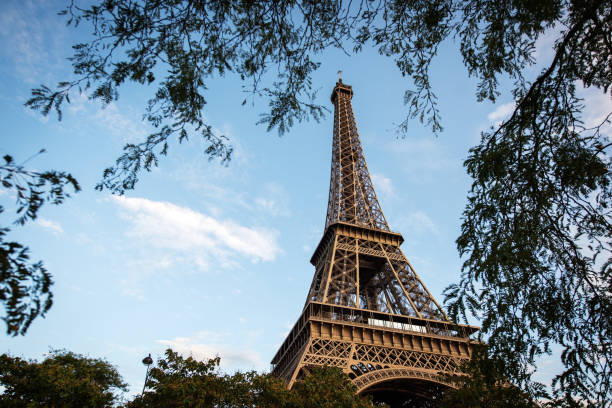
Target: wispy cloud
x=120 y=123
x=544 y=51
x=597 y=106
x=33 y=54
x=382 y=184
x=274 y=200
x=223 y=184
x=501 y=112
x=52 y=226
x=168 y=226
x=423 y=156
x=206 y=344
x=419 y=223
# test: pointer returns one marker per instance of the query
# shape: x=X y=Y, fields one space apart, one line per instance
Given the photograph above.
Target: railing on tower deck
x=371 y=319
x=364 y=317
x=397 y=325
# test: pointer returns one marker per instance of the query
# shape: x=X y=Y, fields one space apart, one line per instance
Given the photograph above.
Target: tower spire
x=352 y=198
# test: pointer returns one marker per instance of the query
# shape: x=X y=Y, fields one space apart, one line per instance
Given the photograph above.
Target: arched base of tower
x=404 y=387
x=407 y=393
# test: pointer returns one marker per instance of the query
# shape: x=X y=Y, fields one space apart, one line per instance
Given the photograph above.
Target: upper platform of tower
x=341 y=88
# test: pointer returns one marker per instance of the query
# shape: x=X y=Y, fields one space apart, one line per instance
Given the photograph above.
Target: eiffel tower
x=367 y=311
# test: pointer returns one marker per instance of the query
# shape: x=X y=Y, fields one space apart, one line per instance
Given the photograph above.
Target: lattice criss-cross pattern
x=335 y=353
x=364 y=273
x=351 y=195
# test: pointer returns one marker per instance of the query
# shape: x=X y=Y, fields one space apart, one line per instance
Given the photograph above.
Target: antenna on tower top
x=340 y=76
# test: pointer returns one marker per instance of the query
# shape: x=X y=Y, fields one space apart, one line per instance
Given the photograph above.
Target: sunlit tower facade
x=367 y=311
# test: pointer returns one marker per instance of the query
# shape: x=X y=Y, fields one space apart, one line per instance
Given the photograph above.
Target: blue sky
x=208 y=259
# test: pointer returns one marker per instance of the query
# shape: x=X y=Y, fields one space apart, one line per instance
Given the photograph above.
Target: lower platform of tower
x=392 y=357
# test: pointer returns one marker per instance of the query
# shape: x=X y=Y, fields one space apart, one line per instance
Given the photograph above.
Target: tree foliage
x=24 y=285
x=63 y=379
x=179 y=45
x=329 y=387
x=185 y=382
x=536 y=229
x=486 y=385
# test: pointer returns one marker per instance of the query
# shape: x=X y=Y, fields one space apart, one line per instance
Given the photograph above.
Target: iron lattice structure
x=367 y=310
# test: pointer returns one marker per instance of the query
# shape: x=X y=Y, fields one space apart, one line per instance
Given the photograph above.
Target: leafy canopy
x=63 y=379
x=185 y=382
x=486 y=385
x=177 y=46
x=536 y=229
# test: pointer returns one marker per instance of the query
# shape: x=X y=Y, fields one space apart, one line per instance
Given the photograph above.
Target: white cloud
x=419 y=222
x=382 y=184
x=204 y=345
x=501 y=112
x=597 y=106
x=53 y=226
x=544 y=51
x=180 y=229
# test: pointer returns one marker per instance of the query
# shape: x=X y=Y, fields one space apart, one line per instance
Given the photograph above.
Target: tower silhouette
x=367 y=311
